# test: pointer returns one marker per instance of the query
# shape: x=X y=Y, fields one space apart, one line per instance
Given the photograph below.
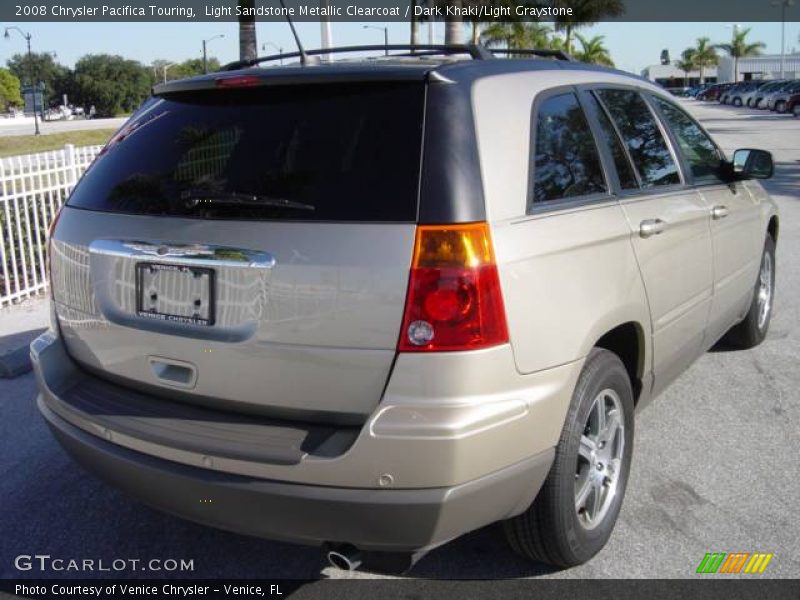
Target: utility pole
x=31 y=74
x=205 y=55
x=385 y=36
x=784 y=4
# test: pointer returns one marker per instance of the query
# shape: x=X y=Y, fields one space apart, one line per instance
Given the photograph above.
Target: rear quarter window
x=322 y=152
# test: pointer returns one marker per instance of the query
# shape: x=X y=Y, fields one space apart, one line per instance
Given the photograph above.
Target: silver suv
x=373 y=305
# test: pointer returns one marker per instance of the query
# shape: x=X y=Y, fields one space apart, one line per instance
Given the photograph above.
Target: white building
x=670 y=76
x=766 y=66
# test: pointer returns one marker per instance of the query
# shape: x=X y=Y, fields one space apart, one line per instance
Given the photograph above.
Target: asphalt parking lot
x=715 y=462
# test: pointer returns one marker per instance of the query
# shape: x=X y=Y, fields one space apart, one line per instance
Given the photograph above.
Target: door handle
x=719 y=212
x=651 y=227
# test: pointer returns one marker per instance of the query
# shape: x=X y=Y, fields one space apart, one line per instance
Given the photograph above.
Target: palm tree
x=248 y=45
x=414 y=24
x=454 y=25
x=593 y=51
x=704 y=55
x=687 y=63
x=584 y=12
x=517 y=34
x=739 y=48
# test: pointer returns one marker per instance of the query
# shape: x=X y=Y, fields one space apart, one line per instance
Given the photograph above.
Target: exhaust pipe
x=344 y=556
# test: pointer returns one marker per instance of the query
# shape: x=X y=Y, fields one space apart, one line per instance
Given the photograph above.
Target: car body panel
x=334 y=299
x=306 y=333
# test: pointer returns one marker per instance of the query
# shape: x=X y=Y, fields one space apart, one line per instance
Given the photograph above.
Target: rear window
x=324 y=152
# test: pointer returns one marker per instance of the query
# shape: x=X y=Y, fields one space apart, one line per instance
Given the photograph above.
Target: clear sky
x=633 y=45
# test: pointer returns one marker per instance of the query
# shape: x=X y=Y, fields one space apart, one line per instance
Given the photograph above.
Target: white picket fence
x=32 y=189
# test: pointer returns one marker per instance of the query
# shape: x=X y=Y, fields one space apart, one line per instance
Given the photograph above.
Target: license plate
x=175 y=293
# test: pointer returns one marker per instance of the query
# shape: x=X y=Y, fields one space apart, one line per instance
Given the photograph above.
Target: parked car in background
x=735 y=94
x=693 y=91
x=793 y=105
x=777 y=101
x=750 y=97
x=379 y=331
x=724 y=96
x=768 y=99
x=712 y=93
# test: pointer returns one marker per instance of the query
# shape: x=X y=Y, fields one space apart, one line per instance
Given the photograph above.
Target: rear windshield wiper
x=199 y=199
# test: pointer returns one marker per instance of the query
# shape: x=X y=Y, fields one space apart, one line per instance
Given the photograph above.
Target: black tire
x=780 y=106
x=551 y=530
x=752 y=330
x=737 y=101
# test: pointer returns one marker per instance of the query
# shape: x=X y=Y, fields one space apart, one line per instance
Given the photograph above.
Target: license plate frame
x=146 y=273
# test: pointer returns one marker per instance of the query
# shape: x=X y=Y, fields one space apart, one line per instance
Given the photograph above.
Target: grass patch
x=29 y=144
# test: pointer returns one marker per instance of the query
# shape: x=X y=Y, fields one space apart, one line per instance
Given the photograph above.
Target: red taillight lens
x=454 y=300
x=238 y=81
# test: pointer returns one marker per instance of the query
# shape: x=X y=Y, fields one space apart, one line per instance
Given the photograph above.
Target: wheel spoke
x=597 y=499
x=612 y=426
x=600 y=413
x=614 y=467
x=582 y=495
x=586 y=448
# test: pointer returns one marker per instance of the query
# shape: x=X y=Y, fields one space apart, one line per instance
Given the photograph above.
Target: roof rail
x=540 y=52
x=476 y=52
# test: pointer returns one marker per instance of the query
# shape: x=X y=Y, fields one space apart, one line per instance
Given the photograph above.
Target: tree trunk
x=248 y=45
x=476 y=32
x=735 y=69
x=454 y=26
x=701 y=74
x=414 y=24
x=568 y=38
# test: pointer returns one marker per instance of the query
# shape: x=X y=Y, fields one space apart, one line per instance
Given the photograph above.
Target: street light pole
x=31 y=74
x=784 y=4
x=205 y=55
x=165 y=67
x=279 y=49
x=385 y=35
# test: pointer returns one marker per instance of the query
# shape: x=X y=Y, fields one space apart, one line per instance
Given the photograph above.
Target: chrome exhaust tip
x=345 y=557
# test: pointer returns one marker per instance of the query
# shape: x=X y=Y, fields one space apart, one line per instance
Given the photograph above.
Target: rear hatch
x=248 y=248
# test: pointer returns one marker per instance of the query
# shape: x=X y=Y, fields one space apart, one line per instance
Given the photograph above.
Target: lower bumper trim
x=399 y=520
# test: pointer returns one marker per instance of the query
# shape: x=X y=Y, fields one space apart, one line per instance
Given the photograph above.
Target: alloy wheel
x=600 y=457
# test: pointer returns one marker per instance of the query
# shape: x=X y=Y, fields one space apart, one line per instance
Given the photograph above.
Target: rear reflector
x=454 y=300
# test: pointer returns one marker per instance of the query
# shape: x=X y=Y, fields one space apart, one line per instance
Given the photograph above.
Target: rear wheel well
x=627 y=342
x=772 y=228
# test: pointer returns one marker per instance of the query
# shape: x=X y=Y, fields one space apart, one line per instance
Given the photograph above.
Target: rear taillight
x=454 y=300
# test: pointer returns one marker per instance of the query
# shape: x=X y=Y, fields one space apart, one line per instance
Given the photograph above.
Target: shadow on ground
x=17 y=340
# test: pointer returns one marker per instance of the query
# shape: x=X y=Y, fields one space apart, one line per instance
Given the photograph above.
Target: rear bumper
x=447 y=477
x=372 y=520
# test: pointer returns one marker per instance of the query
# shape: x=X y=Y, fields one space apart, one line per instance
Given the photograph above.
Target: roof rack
x=540 y=52
x=476 y=52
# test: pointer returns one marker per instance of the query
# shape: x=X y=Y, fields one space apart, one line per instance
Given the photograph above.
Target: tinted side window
x=627 y=178
x=641 y=135
x=701 y=153
x=566 y=162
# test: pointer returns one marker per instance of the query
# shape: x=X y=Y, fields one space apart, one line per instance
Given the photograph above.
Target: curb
x=15 y=362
